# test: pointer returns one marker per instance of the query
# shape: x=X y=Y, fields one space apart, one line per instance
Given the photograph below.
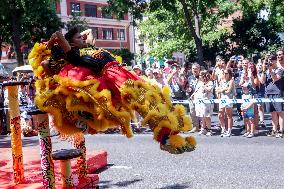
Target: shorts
x=248 y=115
x=204 y=110
x=274 y=106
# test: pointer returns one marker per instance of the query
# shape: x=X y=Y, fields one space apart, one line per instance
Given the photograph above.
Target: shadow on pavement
x=177 y=186
x=6 y=142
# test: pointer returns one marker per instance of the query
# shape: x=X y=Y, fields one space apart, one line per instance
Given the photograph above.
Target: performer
x=89 y=80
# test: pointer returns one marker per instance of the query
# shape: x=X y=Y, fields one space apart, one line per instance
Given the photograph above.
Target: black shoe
x=262 y=124
x=272 y=133
x=243 y=131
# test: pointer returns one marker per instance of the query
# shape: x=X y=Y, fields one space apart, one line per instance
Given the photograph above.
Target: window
x=107 y=34
x=121 y=34
x=106 y=14
x=75 y=8
x=95 y=33
x=90 y=10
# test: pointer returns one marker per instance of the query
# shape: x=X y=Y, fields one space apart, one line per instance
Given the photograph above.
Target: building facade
x=110 y=32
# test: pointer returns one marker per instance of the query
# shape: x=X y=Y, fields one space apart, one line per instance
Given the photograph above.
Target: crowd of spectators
x=237 y=78
x=26 y=94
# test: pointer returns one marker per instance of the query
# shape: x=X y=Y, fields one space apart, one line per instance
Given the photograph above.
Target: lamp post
x=143 y=64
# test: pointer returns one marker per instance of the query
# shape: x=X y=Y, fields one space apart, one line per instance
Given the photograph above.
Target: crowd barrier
x=226 y=101
x=217 y=101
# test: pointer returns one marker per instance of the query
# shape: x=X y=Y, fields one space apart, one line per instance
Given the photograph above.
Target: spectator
x=137 y=70
x=237 y=77
x=249 y=77
x=260 y=91
x=272 y=74
x=204 y=111
x=280 y=58
x=226 y=90
x=158 y=76
x=217 y=76
x=192 y=81
x=218 y=71
x=176 y=83
x=149 y=74
x=248 y=111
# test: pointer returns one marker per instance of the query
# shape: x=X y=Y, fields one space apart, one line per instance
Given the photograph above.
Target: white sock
x=229 y=131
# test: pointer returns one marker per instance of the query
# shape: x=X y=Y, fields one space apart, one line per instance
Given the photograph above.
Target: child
x=248 y=111
x=204 y=111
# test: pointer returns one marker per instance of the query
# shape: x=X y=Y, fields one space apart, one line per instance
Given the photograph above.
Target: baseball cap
x=136 y=67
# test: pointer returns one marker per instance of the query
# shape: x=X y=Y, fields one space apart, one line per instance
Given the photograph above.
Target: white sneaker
x=227 y=134
x=250 y=135
x=202 y=132
x=223 y=133
x=209 y=133
x=246 y=134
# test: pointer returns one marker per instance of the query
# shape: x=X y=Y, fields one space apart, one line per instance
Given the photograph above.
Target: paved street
x=217 y=162
x=138 y=163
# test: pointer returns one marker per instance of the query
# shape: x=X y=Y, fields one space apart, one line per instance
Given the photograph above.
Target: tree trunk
x=198 y=40
x=16 y=39
x=1 y=50
x=195 y=31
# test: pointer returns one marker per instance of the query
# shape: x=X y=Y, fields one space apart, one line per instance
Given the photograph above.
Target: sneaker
x=279 y=134
x=246 y=134
x=209 y=133
x=250 y=135
x=262 y=124
x=227 y=134
x=223 y=133
x=272 y=133
x=202 y=132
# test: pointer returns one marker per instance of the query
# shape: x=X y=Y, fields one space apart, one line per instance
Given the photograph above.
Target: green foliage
x=166 y=32
x=254 y=35
x=26 y=20
x=39 y=19
x=77 y=21
x=126 y=55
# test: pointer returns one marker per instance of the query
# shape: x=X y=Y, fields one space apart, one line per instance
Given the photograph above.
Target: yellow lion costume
x=72 y=101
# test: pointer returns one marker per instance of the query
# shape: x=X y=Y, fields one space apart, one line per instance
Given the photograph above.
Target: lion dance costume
x=107 y=99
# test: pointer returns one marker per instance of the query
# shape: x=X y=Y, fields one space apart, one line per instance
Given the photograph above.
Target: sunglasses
x=226 y=73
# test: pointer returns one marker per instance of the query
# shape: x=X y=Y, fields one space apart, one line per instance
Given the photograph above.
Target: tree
x=77 y=21
x=193 y=12
x=3 y=32
x=126 y=55
x=254 y=34
x=27 y=20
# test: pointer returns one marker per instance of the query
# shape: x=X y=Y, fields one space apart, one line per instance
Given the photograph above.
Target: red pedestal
x=95 y=160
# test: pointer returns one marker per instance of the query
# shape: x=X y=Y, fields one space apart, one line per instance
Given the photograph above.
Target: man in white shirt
x=193 y=82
